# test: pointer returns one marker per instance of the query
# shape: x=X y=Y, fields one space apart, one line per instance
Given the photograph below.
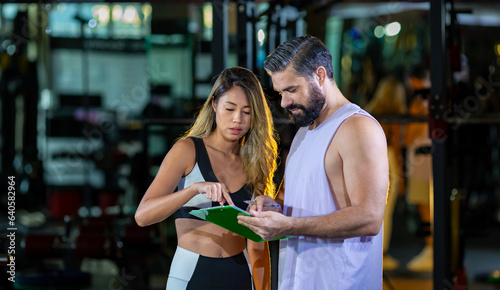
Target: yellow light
x=346 y=62
x=147 y=9
x=117 y=13
x=101 y=13
x=411 y=40
x=207 y=15
x=130 y=15
x=497 y=49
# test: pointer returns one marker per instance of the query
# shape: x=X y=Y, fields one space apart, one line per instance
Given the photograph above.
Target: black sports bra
x=203 y=171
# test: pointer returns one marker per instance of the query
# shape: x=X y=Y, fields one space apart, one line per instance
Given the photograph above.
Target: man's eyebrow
x=289 y=88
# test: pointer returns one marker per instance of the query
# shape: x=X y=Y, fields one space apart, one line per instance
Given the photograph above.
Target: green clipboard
x=225 y=216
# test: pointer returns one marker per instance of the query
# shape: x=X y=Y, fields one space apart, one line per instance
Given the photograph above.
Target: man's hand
x=267 y=224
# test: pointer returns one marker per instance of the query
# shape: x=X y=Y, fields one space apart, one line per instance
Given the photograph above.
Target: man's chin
x=301 y=122
x=298 y=119
x=295 y=119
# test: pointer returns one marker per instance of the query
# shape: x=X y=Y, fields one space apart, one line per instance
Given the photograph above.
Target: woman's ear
x=213 y=102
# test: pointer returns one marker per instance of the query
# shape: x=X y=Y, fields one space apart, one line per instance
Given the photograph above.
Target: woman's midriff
x=207 y=239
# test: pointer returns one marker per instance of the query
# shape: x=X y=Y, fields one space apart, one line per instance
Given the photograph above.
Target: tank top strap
x=203 y=160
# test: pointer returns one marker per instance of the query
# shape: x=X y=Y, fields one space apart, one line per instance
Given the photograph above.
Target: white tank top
x=323 y=263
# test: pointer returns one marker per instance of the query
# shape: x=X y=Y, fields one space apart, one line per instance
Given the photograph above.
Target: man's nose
x=285 y=101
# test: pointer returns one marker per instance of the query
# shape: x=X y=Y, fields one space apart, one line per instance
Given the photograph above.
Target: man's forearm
x=346 y=223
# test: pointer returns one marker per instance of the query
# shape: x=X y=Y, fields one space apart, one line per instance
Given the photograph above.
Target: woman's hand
x=215 y=191
x=261 y=203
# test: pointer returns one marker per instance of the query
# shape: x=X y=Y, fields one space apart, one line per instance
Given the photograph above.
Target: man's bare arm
x=363 y=152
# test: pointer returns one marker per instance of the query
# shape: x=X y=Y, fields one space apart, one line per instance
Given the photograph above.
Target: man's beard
x=308 y=115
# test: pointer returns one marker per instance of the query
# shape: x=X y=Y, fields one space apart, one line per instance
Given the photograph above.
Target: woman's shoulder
x=182 y=156
x=186 y=146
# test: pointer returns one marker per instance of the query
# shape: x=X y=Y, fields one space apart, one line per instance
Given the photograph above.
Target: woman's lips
x=235 y=131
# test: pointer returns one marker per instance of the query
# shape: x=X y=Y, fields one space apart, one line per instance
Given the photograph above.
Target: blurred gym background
x=94 y=93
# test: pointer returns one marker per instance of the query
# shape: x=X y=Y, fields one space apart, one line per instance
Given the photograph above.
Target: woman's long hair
x=258 y=150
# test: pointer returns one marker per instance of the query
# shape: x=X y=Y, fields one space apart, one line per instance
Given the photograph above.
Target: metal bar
x=399 y=119
x=246 y=34
x=220 y=37
x=272 y=29
x=437 y=128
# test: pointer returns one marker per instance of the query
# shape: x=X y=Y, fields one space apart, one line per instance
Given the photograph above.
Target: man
x=336 y=179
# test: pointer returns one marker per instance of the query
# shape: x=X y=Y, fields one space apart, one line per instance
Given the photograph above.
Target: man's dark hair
x=304 y=53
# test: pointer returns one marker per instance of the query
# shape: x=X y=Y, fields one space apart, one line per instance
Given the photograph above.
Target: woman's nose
x=237 y=117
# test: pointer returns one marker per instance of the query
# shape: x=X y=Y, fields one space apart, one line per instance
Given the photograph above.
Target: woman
x=228 y=155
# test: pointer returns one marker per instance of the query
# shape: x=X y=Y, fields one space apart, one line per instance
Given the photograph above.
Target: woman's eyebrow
x=231 y=103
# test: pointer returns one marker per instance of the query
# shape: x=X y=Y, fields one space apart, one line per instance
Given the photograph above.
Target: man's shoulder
x=359 y=121
x=359 y=127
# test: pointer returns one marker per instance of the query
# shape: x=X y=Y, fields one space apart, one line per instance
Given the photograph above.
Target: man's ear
x=320 y=75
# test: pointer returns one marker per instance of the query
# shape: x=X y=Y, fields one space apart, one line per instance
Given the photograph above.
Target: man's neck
x=333 y=101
